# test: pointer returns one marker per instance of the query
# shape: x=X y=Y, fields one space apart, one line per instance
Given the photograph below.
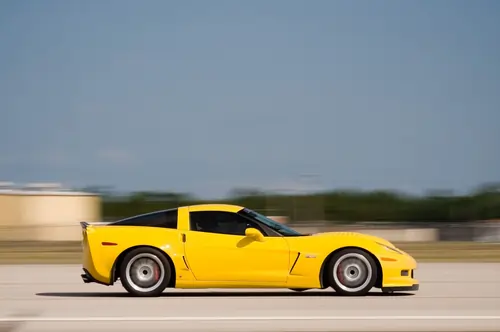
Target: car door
x=217 y=249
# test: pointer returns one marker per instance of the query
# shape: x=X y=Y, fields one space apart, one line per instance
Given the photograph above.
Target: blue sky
x=205 y=96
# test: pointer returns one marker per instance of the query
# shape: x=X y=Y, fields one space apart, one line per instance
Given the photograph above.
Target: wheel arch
x=323 y=279
x=119 y=261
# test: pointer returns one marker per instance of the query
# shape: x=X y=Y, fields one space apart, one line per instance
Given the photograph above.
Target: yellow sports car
x=229 y=246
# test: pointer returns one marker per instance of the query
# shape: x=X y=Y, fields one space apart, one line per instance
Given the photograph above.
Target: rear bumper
x=88 y=278
x=414 y=287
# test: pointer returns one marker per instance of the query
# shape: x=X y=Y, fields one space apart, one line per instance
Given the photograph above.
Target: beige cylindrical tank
x=46 y=216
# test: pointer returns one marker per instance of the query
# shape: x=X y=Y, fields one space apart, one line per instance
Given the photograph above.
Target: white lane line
x=238 y=318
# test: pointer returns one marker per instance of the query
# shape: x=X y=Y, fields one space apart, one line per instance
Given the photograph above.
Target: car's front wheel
x=145 y=272
x=352 y=272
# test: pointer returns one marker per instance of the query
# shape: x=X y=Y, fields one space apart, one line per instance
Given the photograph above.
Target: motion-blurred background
x=40 y=222
x=379 y=117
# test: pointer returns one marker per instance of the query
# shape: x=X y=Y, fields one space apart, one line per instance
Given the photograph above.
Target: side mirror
x=254 y=234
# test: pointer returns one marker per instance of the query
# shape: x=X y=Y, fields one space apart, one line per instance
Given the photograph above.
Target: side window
x=220 y=222
x=170 y=219
x=163 y=219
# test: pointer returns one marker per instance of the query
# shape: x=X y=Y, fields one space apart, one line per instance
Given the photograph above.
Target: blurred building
x=45 y=212
x=280 y=219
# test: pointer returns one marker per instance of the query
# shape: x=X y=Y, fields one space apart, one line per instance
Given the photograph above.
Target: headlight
x=390 y=248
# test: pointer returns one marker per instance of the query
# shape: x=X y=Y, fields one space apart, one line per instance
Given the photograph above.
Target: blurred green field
x=70 y=252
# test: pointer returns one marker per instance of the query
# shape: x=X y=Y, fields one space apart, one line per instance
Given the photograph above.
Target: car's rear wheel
x=145 y=272
x=352 y=272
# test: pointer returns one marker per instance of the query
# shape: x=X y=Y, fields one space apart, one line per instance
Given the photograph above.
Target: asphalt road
x=453 y=297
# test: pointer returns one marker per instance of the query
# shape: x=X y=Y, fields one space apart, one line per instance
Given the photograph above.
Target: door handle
x=183 y=236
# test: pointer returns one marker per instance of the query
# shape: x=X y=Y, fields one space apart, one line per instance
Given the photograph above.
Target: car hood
x=357 y=235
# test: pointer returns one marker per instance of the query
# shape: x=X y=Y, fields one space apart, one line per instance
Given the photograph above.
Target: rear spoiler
x=86 y=224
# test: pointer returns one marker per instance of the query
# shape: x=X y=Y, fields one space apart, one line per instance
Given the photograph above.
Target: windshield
x=280 y=228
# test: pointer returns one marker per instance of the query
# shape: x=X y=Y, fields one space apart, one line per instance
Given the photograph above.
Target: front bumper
x=399 y=274
x=414 y=287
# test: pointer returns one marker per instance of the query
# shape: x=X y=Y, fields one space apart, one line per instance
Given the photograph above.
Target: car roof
x=192 y=208
x=215 y=207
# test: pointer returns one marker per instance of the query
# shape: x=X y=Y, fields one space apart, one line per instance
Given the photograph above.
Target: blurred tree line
x=334 y=206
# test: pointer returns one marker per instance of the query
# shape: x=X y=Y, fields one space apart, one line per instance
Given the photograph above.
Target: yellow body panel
x=203 y=260
x=237 y=259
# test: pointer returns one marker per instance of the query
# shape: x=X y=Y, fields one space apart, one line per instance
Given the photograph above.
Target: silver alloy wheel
x=352 y=272
x=145 y=272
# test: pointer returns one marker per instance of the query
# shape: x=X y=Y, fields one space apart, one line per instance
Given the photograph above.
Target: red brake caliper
x=340 y=275
x=156 y=273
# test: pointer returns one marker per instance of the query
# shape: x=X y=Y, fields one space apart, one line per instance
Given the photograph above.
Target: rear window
x=163 y=219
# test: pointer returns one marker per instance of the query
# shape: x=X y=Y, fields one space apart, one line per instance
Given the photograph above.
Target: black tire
x=155 y=270
x=360 y=268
